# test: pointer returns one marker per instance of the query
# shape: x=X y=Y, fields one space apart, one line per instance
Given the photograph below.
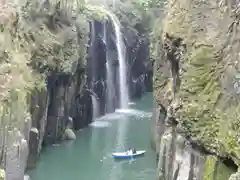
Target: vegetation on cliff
x=37 y=39
x=198 y=44
x=137 y=18
x=41 y=38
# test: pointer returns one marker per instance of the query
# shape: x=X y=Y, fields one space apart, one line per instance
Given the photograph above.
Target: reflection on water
x=99 y=124
x=89 y=156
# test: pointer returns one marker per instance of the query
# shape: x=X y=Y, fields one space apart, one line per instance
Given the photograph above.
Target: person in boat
x=131 y=151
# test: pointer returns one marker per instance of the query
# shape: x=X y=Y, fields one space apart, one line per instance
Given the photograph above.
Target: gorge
x=109 y=75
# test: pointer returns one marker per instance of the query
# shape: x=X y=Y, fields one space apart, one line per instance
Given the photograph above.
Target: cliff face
x=44 y=87
x=55 y=60
x=196 y=75
x=64 y=104
x=177 y=158
x=103 y=50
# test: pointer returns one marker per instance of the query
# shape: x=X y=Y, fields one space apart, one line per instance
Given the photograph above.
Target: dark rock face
x=67 y=98
x=83 y=111
x=140 y=68
x=103 y=50
x=34 y=145
x=96 y=64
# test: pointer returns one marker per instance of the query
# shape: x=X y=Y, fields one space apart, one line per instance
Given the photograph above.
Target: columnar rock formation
x=49 y=56
x=196 y=79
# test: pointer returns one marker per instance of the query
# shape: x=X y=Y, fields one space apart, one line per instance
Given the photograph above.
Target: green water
x=89 y=156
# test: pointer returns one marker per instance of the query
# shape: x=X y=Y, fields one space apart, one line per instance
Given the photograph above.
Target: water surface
x=89 y=156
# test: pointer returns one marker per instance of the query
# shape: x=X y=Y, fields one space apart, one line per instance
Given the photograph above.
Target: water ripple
x=100 y=124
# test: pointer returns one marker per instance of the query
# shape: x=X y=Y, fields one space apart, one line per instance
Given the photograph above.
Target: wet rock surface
x=179 y=159
x=194 y=77
x=103 y=49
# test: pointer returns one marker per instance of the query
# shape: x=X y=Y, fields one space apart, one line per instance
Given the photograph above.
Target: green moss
x=223 y=172
x=35 y=40
x=202 y=96
x=210 y=107
x=202 y=119
x=201 y=92
x=98 y=13
x=214 y=169
x=209 y=167
x=55 y=37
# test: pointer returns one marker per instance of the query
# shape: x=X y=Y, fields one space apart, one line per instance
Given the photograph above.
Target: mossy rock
x=2 y=174
x=214 y=169
x=210 y=107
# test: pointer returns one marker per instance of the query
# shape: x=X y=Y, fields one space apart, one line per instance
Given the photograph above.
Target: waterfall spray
x=124 y=99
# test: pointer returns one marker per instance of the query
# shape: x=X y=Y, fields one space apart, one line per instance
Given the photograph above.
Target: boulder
x=2 y=174
x=26 y=177
x=235 y=176
x=69 y=134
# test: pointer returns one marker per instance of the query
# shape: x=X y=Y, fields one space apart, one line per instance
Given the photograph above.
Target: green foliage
x=56 y=39
x=200 y=91
x=209 y=168
x=229 y=132
x=92 y=12
x=35 y=39
x=214 y=169
x=138 y=15
x=202 y=117
x=210 y=108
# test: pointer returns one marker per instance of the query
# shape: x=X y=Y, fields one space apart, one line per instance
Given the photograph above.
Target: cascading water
x=124 y=98
x=110 y=86
x=96 y=107
x=95 y=103
x=92 y=42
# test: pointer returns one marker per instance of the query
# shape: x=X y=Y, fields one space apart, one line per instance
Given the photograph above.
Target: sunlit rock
x=26 y=177
x=69 y=134
x=235 y=176
x=2 y=174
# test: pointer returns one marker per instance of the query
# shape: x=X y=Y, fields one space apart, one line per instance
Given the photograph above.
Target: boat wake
x=99 y=124
x=110 y=116
x=134 y=112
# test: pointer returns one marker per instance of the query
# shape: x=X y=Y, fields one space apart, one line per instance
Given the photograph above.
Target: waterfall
x=92 y=42
x=96 y=108
x=124 y=98
x=110 y=85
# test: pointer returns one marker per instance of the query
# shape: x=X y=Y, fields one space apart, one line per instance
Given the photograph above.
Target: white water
x=124 y=98
x=110 y=86
x=92 y=41
x=96 y=108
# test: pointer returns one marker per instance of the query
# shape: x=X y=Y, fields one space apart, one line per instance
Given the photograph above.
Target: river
x=89 y=156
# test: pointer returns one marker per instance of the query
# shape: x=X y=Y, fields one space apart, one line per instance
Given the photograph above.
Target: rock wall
x=67 y=99
x=65 y=102
x=48 y=93
x=103 y=49
x=178 y=159
x=196 y=75
x=55 y=75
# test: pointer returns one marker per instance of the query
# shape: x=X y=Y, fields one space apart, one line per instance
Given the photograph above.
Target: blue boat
x=125 y=155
